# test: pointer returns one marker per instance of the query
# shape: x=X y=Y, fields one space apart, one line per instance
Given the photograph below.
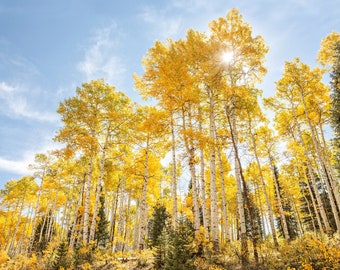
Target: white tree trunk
x=224 y=199
x=264 y=188
x=143 y=204
x=87 y=190
x=213 y=190
x=174 y=173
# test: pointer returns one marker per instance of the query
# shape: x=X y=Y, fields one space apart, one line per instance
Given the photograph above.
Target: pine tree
x=288 y=214
x=309 y=218
x=180 y=250
x=157 y=224
x=158 y=234
x=102 y=233
x=61 y=260
x=41 y=235
x=160 y=250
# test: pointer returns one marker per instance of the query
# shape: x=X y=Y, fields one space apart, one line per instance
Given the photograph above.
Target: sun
x=227 y=57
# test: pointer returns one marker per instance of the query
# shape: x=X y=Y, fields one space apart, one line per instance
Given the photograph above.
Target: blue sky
x=48 y=48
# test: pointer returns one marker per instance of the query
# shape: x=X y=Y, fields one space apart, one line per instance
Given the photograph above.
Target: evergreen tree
x=288 y=214
x=61 y=261
x=309 y=217
x=160 y=250
x=157 y=224
x=254 y=230
x=102 y=233
x=180 y=251
x=43 y=233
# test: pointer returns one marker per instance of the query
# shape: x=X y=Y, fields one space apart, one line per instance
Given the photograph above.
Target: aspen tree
x=288 y=97
x=150 y=129
x=223 y=169
x=17 y=193
x=327 y=50
x=42 y=163
x=199 y=53
x=312 y=91
x=255 y=114
x=167 y=78
x=92 y=119
x=240 y=70
x=268 y=143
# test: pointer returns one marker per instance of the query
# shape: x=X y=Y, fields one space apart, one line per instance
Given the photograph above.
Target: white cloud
x=165 y=26
x=16 y=166
x=20 y=166
x=15 y=104
x=99 y=60
x=5 y=88
x=193 y=5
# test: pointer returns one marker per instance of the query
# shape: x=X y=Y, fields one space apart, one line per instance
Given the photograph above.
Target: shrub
x=307 y=252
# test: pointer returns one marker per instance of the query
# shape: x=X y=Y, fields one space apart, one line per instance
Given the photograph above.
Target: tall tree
x=92 y=120
x=335 y=109
x=150 y=140
x=241 y=58
x=298 y=86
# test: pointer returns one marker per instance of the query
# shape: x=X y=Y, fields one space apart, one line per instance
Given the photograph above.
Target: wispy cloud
x=15 y=104
x=5 y=88
x=99 y=60
x=164 y=26
x=20 y=166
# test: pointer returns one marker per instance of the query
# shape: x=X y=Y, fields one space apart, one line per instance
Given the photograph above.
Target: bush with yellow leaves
x=3 y=257
x=23 y=262
x=308 y=252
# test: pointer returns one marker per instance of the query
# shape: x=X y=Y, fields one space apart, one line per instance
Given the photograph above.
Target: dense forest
x=208 y=175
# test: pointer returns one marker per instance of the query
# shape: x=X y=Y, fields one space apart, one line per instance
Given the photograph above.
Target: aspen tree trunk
x=191 y=153
x=87 y=190
x=239 y=195
x=329 y=168
x=50 y=225
x=43 y=226
x=65 y=218
x=311 y=175
x=7 y=238
x=10 y=246
x=143 y=205
x=23 y=235
x=298 y=218
x=113 y=215
x=213 y=191
x=310 y=212
x=265 y=224
x=74 y=224
x=35 y=216
x=224 y=199
x=120 y=225
x=263 y=184
x=321 y=163
x=205 y=210
x=126 y=223
x=136 y=227
x=206 y=215
x=278 y=197
x=99 y=188
x=315 y=206
x=174 y=172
